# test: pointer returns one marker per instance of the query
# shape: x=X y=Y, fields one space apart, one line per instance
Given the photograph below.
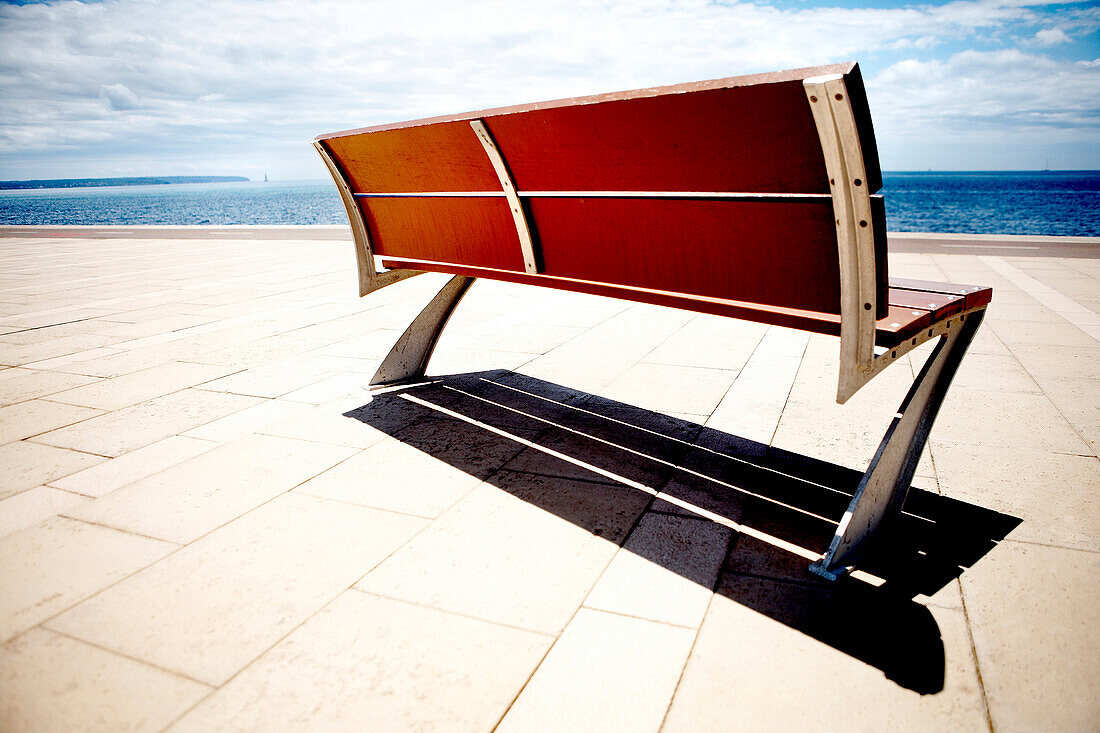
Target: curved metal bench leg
x=882 y=491
x=409 y=357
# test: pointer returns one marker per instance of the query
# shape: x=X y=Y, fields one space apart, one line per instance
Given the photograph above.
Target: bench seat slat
x=976 y=295
x=902 y=322
x=939 y=304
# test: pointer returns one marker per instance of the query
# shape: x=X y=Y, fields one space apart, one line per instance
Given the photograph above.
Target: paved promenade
x=599 y=518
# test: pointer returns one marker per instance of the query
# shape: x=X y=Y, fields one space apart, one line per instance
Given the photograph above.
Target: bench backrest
x=715 y=189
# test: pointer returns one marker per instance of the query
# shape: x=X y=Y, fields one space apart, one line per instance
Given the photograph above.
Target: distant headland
x=134 y=181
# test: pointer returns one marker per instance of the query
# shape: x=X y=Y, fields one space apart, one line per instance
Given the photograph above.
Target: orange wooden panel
x=900 y=324
x=774 y=253
x=749 y=134
x=779 y=252
x=941 y=305
x=469 y=231
x=444 y=157
x=976 y=295
x=758 y=139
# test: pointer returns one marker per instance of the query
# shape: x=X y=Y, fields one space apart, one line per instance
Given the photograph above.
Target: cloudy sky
x=240 y=87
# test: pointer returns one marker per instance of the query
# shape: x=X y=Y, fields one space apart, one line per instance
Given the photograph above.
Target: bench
x=752 y=197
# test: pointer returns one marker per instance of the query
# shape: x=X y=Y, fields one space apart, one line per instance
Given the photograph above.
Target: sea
x=1058 y=203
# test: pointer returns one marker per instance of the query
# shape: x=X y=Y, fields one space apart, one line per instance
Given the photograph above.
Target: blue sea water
x=1057 y=203
x=294 y=202
x=1064 y=203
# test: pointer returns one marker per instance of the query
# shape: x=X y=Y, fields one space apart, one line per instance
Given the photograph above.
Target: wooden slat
x=760 y=138
x=740 y=251
x=751 y=133
x=774 y=253
x=472 y=231
x=445 y=157
x=976 y=295
x=940 y=305
x=900 y=324
x=778 y=252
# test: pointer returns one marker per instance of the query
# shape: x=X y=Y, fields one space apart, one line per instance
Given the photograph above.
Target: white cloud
x=1049 y=37
x=248 y=83
x=118 y=97
x=1006 y=104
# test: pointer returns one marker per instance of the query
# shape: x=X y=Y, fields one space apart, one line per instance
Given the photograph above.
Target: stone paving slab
x=600 y=519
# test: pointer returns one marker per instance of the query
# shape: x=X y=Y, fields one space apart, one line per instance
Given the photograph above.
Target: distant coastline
x=125 y=181
x=1058 y=203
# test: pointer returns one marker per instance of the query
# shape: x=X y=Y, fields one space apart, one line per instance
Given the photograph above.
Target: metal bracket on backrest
x=523 y=231
x=369 y=277
x=836 y=127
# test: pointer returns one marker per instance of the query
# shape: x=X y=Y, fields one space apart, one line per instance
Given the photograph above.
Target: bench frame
x=881 y=493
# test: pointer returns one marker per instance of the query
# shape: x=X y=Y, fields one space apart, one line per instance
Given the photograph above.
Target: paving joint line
x=699 y=629
x=120 y=653
x=449 y=611
x=974 y=656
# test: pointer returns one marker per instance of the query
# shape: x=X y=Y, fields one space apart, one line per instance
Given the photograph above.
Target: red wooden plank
x=901 y=324
x=941 y=305
x=445 y=157
x=470 y=231
x=753 y=139
x=980 y=297
x=779 y=252
x=772 y=77
x=750 y=133
x=976 y=295
x=774 y=253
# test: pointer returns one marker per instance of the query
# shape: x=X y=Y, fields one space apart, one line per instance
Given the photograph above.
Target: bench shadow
x=609 y=462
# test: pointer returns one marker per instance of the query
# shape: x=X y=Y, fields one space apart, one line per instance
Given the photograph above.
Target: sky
x=241 y=87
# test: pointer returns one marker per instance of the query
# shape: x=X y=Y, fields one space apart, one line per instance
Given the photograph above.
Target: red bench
x=751 y=197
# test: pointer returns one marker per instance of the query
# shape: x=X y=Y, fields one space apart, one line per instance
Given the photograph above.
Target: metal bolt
x=866 y=306
x=858 y=182
x=813 y=98
x=862 y=223
x=839 y=97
